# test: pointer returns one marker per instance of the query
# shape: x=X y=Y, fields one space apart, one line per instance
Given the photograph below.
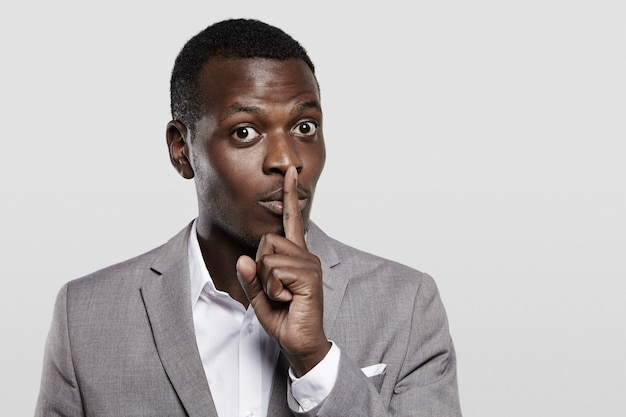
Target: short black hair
x=233 y=38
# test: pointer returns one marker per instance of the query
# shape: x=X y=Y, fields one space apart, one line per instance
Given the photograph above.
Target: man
x=251 y=310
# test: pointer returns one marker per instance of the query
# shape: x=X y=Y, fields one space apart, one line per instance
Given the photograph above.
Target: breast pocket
x=375 y=374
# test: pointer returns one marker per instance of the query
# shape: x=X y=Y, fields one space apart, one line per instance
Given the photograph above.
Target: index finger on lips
x=292 y=217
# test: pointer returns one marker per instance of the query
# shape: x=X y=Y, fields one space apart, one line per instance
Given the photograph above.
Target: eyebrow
x=311 y=104
x=242 y=108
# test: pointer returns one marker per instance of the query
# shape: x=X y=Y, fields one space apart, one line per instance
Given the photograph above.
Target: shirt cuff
x=313 y=387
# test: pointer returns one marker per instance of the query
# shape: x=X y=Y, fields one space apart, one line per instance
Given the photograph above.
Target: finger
x=276 y=286
x=272 y=244
x=292 y=216
x=255 y=288
x=246 y=274
x=272 y=265
x=283 y=282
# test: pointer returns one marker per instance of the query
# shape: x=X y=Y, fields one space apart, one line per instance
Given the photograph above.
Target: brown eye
x=305 y=129
x=245 y=134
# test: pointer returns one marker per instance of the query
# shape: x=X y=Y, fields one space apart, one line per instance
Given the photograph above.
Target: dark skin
x=256 y=156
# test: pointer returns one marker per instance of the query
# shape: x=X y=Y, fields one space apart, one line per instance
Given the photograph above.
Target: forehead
x=226 y=81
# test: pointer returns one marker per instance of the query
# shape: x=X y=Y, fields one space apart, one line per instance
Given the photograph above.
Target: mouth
x=274 y=202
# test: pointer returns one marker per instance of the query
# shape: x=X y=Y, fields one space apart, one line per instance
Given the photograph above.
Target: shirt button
x=307 y=403
x=249 y=414
x=250 y=328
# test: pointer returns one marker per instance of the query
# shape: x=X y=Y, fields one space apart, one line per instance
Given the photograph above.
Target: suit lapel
x=166 y=298
x=278 y=398
x=335 y=284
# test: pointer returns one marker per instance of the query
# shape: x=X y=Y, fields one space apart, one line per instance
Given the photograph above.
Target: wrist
x=301 y=363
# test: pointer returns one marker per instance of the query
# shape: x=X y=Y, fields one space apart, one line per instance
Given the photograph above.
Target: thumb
x=246 y=274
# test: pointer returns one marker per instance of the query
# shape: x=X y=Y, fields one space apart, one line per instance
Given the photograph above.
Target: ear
x=177 y=137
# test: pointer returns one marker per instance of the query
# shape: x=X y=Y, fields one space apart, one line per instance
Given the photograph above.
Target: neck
x=220 y=251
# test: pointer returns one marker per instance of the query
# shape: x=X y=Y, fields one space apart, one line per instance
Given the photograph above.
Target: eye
x=305 y=129
x=245 y=134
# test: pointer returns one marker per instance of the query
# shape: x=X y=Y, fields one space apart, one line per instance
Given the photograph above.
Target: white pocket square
x=374 y=370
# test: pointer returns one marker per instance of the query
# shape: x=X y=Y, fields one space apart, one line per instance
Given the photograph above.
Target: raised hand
x=284 y=286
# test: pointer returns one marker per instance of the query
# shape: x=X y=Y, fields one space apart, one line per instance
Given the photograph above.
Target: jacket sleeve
x=426 y=385
x=59 y=394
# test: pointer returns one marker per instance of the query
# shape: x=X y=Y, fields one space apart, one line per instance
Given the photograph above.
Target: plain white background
x=481 y=142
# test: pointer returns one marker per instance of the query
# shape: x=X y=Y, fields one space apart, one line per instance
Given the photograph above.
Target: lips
x=274 y=202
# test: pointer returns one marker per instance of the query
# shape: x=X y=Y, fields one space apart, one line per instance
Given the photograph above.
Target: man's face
x=260 y=117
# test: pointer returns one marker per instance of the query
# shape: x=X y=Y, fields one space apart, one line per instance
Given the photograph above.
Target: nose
x=280 y=153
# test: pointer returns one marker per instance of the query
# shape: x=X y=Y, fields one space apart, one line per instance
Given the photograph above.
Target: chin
x=252 y=238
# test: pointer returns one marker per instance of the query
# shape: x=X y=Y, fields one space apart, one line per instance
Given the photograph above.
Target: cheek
x=236 y=174
x=213 y=184
x=316 y=161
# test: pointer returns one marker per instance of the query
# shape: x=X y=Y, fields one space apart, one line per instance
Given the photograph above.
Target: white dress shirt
x=238 y=357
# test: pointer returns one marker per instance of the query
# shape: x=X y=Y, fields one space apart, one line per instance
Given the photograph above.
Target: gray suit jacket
x=122 y=341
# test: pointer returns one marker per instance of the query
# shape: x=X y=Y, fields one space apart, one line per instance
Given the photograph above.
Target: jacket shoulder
x=364 y=265
x=118 y=274
x=131 y=273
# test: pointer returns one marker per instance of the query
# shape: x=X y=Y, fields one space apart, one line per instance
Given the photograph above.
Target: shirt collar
x=198 y=272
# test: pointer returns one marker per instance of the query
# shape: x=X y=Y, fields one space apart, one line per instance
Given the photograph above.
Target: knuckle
x=269 y=239
x=315 y=259
x=274 y=287
x=264 y=259
x=292 y=214
x=278 y=273
x=316 y=276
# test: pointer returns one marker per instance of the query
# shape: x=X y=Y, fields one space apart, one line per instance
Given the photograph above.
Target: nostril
x=283 y=171
x=280 y=153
